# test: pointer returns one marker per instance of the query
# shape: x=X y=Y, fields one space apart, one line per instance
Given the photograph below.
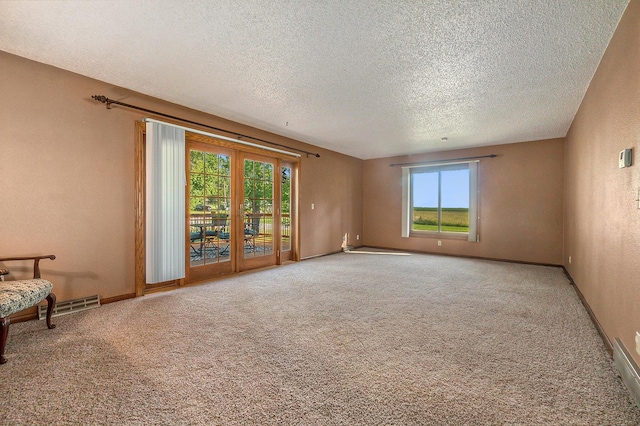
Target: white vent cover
x=70 y=306
x=627 y=370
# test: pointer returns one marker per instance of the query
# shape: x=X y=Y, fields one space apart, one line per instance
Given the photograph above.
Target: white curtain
x=406 y=202
x=473 y=202
x=165 y=203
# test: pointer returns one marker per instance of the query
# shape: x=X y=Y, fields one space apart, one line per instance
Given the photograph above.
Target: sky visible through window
x=455 y=189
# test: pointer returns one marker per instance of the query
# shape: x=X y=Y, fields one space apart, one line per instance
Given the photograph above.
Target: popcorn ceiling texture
x=368 y=79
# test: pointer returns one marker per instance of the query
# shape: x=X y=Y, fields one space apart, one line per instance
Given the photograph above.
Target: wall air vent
x=70 y=306
x=627 y=370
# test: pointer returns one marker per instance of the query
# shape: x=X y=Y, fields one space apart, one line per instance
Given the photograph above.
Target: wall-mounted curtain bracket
x=109 y=102
x=448 y=160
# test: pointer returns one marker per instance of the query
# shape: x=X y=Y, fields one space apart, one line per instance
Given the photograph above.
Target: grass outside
x=453 y=219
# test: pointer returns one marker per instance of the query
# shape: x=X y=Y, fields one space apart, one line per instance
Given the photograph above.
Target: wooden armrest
x=36 y=261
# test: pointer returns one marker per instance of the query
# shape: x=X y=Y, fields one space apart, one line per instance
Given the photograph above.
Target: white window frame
x=407 y=213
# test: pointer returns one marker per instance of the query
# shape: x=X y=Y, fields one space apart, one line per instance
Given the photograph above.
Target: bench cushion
x=16 y=296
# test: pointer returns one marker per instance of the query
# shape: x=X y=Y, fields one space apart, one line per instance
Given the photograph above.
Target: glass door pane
x=209 y=208
x=258 y=209
x=285 y=206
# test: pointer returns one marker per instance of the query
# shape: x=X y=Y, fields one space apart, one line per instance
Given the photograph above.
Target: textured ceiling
x=366 y=78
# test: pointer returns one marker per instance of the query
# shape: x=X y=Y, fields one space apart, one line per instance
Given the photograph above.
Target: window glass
x=440 y=199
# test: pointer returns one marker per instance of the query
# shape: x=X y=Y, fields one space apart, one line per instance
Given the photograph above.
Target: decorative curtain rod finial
x=103 y=99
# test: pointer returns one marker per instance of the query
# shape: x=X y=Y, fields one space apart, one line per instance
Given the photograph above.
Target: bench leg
x=51 y=303
x=4 y=332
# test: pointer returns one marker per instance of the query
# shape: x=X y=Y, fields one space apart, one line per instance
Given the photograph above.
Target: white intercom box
x=625 y=158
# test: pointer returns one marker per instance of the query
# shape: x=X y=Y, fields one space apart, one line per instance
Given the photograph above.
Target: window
x=440 y=200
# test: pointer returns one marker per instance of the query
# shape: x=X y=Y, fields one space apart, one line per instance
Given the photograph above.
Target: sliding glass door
x=210 y=241
x=259 y=209
x=240 y=210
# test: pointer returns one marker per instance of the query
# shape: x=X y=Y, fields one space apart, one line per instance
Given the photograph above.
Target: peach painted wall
x=67 y=179
x=333 y=184
x=602 y=216
x=520 y=203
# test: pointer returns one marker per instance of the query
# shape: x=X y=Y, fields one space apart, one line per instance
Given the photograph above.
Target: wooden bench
x=18 y=295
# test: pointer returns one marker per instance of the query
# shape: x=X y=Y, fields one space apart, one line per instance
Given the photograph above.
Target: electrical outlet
x=313 y=206
x=569 y=260
x=358 y=237
x=439 y=243
x=638 y=342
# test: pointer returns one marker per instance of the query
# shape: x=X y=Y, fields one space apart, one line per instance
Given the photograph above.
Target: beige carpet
x=343 y=339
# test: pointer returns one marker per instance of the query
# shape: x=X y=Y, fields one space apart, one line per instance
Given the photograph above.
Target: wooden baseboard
x=26 y=315
x=117 y=298
x=463 y=256
x=321 y=255
x=605 y=339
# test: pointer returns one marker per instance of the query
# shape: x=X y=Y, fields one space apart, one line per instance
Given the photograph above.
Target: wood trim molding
x=605 y=339
x=315 y=256
x=522 y=262
x=139 y=209
x=26 y=315
x=119 y=298
x=295 y=210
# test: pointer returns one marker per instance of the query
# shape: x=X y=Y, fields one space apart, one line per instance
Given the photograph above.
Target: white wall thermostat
x=625 y=158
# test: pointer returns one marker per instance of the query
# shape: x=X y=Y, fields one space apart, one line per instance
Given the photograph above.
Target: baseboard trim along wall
x=117 y=298
x=605 y=339
x=321 y=255
x=625 y=365
x=463 y=256
x=627 y=370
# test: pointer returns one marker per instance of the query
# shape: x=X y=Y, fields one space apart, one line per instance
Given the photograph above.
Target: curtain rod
x=109 y=102
x=213 y=135
x=443 y=161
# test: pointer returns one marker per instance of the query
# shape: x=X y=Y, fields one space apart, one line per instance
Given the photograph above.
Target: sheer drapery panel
x=165 y=203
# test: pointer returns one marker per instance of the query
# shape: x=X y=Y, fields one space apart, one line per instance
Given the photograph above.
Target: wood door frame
x=140 y=236
x=141 y=287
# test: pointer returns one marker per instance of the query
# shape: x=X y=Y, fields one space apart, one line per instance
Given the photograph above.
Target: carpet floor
x=344 y=339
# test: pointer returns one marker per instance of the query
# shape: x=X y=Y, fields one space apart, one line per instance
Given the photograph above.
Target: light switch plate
x=638 y=342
